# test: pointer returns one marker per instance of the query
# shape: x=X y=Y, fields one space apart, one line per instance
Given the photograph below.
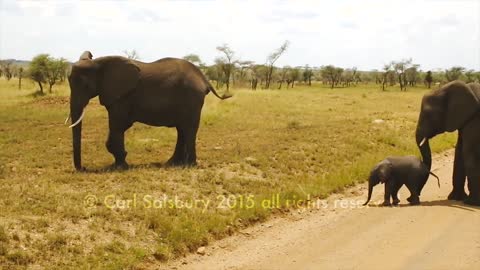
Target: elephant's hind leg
x=178 y=156
x=185 y=152
x=190 y=147
x=396 y=187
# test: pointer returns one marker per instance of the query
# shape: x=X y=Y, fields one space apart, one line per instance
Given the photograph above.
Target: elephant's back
x=173 y=73
x=406 y=161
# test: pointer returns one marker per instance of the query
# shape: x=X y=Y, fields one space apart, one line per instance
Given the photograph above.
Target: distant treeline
x=228 y=70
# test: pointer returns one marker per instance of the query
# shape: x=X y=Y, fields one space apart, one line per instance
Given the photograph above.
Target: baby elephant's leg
x=413 y=199
x=396 y=187
x=388 y=193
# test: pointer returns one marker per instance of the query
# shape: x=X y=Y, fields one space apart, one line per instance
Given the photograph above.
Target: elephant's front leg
x=474 y=188
x=116 y=146
x=458 y=179
x=388 y=193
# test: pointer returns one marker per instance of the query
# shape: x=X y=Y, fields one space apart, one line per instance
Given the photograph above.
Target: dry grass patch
x=309 y=141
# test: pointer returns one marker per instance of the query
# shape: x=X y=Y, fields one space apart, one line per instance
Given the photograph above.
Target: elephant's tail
x=438 y=179
x=224 y=96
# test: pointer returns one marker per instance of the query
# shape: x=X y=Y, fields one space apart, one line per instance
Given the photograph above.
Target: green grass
x=294 y=143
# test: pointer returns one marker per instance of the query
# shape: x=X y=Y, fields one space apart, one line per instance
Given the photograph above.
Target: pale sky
x=346 y=33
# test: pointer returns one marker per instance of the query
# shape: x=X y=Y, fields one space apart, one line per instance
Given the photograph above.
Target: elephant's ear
x=462 y=103
x=385 y=171
x=119 y=77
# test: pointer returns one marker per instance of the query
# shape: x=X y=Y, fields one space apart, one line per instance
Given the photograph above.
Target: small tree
x=38 y=70
x=400 y=68
x=258 y=73
x=193 y=58
x=282 y=76
x=470 y=76
x=332 y=74
x=307 y=75
x=6 y=67
x=226 y=62
x=46 y=69
x=386 y=73
x=55 y=69
x=454 y=73
x=243 y=69
x=271 y=59
x=292 y=76
x=213 y=73
x=20 y=75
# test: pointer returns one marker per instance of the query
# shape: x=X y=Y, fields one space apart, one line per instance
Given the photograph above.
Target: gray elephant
x=169 y=92
x=395 y=172
x=455 y=106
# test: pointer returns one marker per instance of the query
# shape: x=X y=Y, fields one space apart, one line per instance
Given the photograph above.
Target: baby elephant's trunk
x=370 y=190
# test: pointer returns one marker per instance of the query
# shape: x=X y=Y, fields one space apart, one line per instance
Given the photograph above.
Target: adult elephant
x=168 y=92
x=455 y=106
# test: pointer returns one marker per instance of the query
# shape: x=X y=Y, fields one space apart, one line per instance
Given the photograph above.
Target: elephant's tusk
x=422 y=142
x=66 y=120
x=79 y=120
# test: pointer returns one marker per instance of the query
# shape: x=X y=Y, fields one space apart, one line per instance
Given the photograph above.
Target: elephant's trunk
x=370 y=190
x=424 y=147
x=76 y=112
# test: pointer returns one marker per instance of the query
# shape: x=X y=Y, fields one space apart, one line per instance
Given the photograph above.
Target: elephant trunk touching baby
x=169 y=92
x=455 y=106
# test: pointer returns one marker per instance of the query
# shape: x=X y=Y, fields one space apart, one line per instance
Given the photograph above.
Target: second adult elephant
x=456 y=106
x=168 y=92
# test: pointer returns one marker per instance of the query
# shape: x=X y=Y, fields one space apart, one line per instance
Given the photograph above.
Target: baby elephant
x=394 y=172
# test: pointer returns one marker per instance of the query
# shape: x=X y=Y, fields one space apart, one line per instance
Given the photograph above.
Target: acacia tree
x=470 y=76
x=214 y=73
x=386 y=73
x=454 y=73
x=38 y=70
x=193 y=58
x=226 y=62
x=271 y=59
x=55 y=70
x=243 y=68
x=6 y=67
x=399 y=68
x=332 y=74
x=46 y=69
x=292 y=76
x=20 y=75
x=258 y=73
x=307 y=75
x=283 y=76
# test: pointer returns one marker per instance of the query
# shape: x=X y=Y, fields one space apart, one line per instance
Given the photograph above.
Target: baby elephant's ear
x=385 y=171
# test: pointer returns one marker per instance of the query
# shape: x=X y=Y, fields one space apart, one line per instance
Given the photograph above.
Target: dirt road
x=439 y=234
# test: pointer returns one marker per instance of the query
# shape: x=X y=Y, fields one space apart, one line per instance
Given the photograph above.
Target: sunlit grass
x=296 y=142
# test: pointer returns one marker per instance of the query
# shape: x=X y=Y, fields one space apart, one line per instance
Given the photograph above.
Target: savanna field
x=300 y=143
